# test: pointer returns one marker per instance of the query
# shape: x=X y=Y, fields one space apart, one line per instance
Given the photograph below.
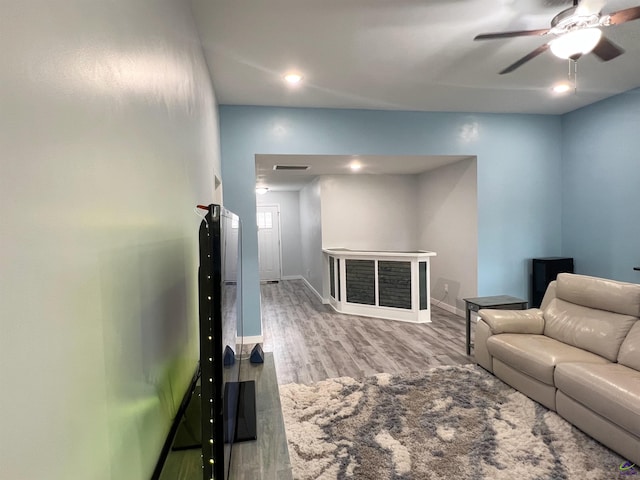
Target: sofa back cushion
x=597 y=331
x=630 y=349
x=599 y=293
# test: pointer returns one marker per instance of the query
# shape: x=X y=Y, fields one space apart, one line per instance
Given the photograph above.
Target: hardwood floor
x=311 y=342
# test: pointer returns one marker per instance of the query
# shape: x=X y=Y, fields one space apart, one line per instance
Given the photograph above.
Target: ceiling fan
x=577 y=32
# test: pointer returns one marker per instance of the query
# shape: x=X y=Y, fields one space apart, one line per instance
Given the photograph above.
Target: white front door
x=268 y=217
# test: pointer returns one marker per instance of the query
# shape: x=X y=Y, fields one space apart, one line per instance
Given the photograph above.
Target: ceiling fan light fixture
x=576 y=43
x=262 y=190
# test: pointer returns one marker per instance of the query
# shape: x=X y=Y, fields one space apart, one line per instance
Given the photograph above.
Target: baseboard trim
x=325 y=302
x=292 y=277
x=447 y=307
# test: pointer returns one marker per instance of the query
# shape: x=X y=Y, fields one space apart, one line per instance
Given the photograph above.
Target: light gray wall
x=289 y=203
x=369 y=212
x=448 y=220
x=109 y=138
x=311 y=235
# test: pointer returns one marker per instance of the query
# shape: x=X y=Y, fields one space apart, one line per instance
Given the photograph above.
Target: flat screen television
x=227 y=404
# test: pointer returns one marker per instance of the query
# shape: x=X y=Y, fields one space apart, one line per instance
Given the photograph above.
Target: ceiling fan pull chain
x=575 y=77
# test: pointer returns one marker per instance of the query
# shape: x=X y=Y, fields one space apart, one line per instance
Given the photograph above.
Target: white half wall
x=109 y=139
x=311 y=236
x=448 y=219
x=289 y=203
x=369 y=212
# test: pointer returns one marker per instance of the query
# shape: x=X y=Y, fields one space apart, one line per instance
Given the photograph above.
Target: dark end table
x=498 y=302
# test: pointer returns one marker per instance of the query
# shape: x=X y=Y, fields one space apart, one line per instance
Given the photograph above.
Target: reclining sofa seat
x=578 y=354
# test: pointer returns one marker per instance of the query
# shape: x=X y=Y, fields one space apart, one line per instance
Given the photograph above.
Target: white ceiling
x=398 y=55
x=402 y=54
x=339 y=165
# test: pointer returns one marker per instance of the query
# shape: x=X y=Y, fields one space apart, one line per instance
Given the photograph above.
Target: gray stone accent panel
x=361 y=282
x=394 y=284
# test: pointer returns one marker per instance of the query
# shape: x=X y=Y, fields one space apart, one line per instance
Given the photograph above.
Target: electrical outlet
x=446 y=288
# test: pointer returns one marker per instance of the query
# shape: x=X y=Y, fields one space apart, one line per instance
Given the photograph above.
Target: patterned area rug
x=450 y=422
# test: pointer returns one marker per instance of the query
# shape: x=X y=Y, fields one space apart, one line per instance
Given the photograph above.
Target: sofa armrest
x=513 y=321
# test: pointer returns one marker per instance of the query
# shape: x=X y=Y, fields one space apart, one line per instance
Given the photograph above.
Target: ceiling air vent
x=291 y=168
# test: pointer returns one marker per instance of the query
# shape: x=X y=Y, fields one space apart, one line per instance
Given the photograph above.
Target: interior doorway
x=268 y=219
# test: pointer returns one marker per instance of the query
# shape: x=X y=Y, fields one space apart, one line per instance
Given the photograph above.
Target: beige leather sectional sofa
x=578 y=354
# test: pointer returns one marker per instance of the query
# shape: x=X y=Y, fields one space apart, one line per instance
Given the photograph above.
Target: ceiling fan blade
x=526 y=58
x=607 y=50
x=516 y=33
x=626 y=15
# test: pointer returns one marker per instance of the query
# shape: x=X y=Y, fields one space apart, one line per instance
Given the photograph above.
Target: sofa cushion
x=598 y=331
x=536 y=355
x=599 y=293
x=611 y=390
x=629 y=354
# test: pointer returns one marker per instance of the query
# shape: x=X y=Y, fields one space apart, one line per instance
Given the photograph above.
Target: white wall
x=109 y=138
x=289 y=203
x=448 y=219
x=311 y=235
x=369 y=212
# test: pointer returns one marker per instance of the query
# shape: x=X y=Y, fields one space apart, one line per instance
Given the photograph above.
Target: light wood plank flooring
x=311 y=342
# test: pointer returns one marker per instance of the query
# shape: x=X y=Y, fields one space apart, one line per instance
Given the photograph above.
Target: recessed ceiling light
x=561 y=88
x=292 y=78
x=261 y=190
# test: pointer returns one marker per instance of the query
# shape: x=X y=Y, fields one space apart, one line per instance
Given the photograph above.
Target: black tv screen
x=220 y=292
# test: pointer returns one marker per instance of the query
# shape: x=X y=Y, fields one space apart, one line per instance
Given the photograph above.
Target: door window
x=265 y=220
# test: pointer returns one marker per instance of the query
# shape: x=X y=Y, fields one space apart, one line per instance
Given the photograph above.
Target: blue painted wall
x=519 y=167
x=601 y=187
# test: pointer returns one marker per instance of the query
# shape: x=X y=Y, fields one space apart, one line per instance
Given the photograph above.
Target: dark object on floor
x=229 y=357
x=257 y=355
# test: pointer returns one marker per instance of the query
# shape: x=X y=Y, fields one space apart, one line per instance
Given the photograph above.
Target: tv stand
x=245 y=429
x=265 y=458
